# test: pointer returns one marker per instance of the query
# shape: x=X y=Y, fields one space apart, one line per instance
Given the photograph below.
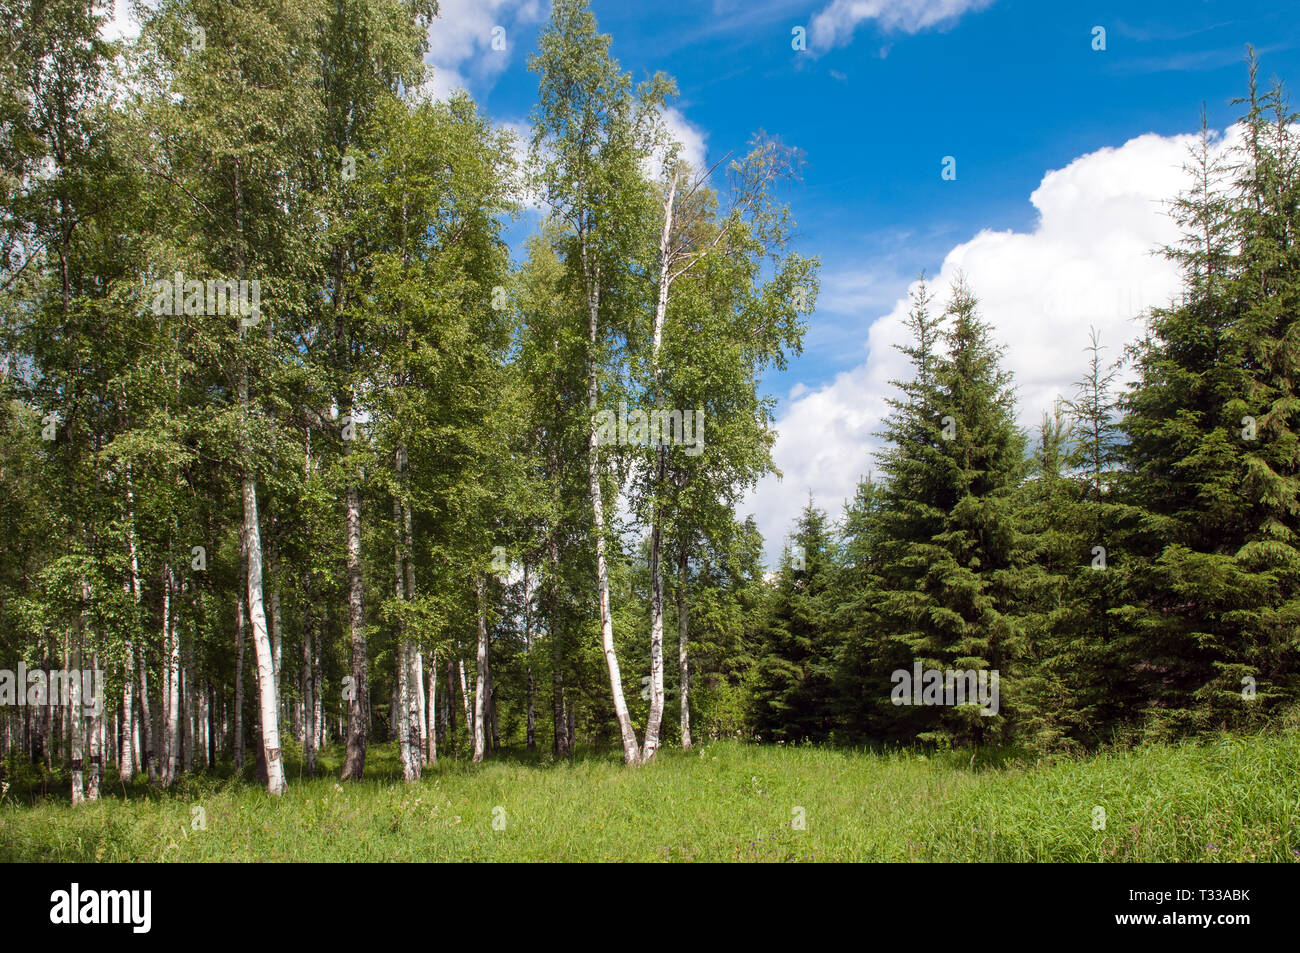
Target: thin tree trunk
x=432 y=708
x=96 y=720
x=354 y=764
x=188 y=705
x=560 y=736
x=126 y=761
x=322 y=728
x=270 y=716
x=415 y=717
x=239 y=680
x=449 y=702
x=277 y=638
x=655 y=719
x=493 y=737
x=421 y=703
x=309 y=687
x=683 y=641
x=530 y=734
x=211 y=730
x=464 y=697
x=631 y=750
x=408 y=733
x=74 y=707
x=172 y=709
x=480 y=690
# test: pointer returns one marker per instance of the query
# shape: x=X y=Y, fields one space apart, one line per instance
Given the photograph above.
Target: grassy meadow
x=1230 y=798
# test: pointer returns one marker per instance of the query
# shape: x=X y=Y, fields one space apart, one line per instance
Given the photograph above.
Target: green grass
x=1231 y=798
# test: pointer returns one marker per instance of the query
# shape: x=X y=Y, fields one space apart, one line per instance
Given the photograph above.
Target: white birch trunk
x=74 y=709
x=420 y=701
x=172 y=679
x=655 y=719
x=631 y=750
x=431 y=741
x=354 y=764
x=126 y=760
x=464 y=697
x=94 y=723
x=308 y=692
x=275 y=780
x=277 y=639
x=683 y=633
x=530 y=736
x=480 y=691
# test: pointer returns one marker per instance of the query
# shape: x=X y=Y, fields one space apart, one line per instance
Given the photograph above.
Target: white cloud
x=694 y=149
x=690 y=140
x=834 y=25
x=460 y=41
x=1087 y=263
x=121 y=23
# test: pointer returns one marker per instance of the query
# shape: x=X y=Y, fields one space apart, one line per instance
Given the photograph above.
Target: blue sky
x=1065 y=156
x=1010 y=89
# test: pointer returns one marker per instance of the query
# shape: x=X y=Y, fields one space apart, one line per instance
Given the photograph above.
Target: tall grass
x=1231 y=798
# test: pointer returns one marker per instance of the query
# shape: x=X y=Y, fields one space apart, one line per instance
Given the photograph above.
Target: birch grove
x=334 y=469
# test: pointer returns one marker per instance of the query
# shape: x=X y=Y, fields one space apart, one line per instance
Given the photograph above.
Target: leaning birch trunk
x=655 y=719
x=683 y=632
x=480 y=690
x=270 y=716
x=631 y=750
x=354 y=764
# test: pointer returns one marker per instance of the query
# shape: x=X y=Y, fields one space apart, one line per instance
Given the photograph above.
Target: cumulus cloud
x=691 y=138
x=1087 y=263
x=834 y=26
x=461 y=42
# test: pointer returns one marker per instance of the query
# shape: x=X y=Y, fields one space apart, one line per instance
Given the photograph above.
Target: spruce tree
x=794 y=670
x=950 y=554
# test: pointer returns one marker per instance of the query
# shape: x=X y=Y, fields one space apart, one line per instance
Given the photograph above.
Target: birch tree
x=594 y=130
